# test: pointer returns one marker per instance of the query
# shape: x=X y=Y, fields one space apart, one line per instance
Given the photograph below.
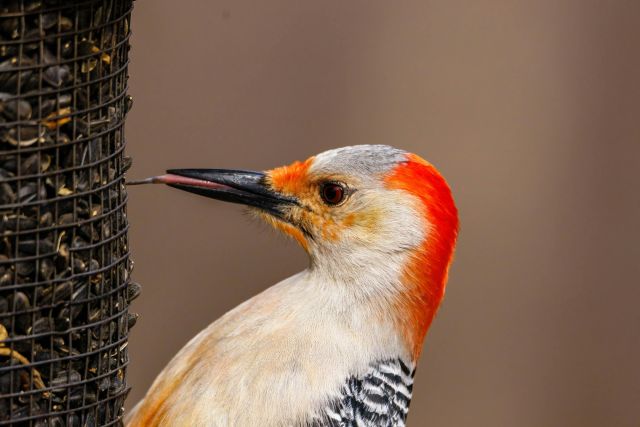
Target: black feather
x=379 y=398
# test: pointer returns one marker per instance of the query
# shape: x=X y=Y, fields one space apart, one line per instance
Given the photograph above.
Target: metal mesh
x=64 y=261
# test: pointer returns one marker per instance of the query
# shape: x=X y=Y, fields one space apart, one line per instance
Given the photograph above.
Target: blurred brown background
x=531 y=109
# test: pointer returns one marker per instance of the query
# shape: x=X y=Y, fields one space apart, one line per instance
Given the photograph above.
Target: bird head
x=374 y=217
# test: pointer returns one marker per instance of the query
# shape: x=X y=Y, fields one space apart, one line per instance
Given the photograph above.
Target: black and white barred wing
x=378 y=399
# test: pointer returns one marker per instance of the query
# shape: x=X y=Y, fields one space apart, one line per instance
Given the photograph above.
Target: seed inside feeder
x=64 y=266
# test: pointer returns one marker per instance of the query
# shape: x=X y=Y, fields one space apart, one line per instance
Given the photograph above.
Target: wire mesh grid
x=64 y=261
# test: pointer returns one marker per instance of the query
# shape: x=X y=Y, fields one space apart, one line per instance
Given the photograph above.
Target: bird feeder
x=64 y=253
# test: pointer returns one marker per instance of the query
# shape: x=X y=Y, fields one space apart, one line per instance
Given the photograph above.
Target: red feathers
x=427 y=273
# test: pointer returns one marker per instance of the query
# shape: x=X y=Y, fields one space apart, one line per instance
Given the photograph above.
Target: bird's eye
x=332 y=193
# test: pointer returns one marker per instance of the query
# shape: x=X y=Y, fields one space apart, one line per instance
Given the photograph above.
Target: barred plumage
x=380 y=398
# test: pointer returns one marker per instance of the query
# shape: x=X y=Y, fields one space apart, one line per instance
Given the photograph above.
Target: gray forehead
x=361 y=160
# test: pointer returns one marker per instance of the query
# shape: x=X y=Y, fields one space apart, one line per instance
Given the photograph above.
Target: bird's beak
x=235 y=186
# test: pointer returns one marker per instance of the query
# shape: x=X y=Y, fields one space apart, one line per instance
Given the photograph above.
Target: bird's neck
x=403 y=287
x=425 y=282
x=360 y=275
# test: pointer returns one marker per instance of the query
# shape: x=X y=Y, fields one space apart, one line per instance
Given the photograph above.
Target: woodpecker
x=338 y=343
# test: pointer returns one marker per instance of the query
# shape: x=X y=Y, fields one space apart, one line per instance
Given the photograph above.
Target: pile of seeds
x=64 y=261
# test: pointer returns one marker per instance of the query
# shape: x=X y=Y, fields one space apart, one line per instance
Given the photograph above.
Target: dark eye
x=332 y=193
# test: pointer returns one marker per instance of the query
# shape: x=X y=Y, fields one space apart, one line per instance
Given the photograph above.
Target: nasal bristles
x=290 y=179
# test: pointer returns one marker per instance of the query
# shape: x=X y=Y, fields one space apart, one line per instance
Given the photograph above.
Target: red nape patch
x=426 y=275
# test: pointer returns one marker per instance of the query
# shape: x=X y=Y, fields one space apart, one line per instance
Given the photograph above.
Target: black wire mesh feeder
x=64 y=254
